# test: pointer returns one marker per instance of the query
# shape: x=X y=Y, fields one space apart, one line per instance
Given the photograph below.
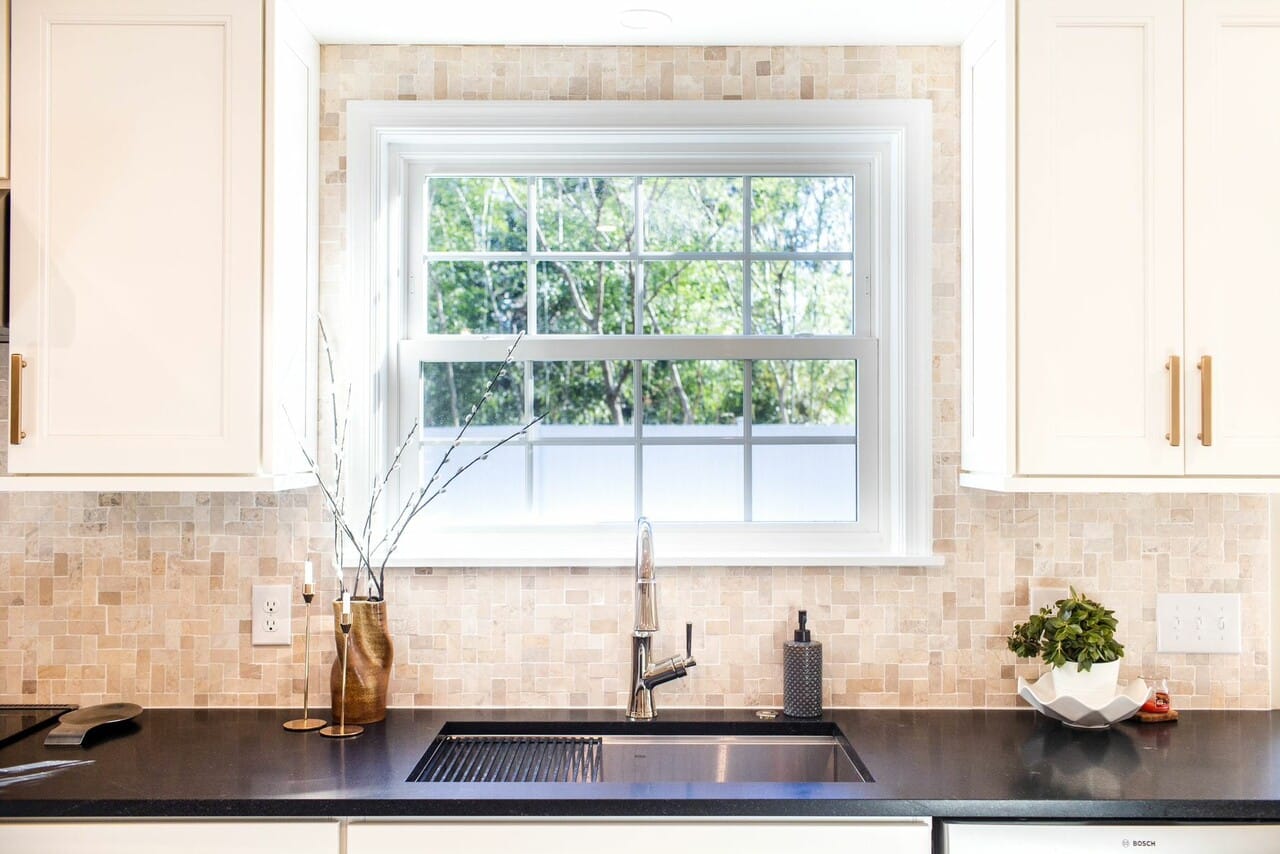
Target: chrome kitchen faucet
x=646 y=677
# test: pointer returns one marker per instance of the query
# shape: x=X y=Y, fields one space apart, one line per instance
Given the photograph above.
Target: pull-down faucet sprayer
x=645 y=676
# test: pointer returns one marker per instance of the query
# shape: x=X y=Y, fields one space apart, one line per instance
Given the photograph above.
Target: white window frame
x=887 y=144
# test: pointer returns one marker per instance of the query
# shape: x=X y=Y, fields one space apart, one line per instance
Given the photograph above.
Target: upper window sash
x=864 y=252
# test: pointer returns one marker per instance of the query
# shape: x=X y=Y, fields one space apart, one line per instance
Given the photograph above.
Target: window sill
x=729 y=559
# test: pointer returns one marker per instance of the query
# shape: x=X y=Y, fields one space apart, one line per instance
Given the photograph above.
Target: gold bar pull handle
x=16 y=364
x=1206 y=401
x=1174 y=367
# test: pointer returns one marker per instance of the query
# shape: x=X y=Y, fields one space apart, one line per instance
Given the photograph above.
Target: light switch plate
x=1198 y=622
x=271 y=625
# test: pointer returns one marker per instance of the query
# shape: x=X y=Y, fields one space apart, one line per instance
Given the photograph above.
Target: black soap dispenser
x=802 y=674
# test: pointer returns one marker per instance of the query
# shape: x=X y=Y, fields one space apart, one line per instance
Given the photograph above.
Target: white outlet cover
x=264 y=617
x=1198 y=622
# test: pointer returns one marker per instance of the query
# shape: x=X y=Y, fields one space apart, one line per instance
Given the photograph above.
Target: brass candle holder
x=306 y=723
x=342 y=730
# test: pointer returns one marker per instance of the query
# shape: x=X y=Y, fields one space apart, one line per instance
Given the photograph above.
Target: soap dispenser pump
x=802 y=673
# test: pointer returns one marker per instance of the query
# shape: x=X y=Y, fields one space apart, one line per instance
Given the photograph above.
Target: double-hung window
x=715 y=324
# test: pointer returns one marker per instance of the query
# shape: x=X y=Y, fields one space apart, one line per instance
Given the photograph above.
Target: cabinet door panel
x=1100 y=235
x=501 y=837
x=137 y=246
x=1233 y=233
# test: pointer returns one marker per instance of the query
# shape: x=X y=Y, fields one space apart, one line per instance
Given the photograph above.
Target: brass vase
x=368 y=662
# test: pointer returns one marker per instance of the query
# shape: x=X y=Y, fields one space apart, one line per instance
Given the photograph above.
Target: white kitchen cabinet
x=1081 y=329
x=4 y=90
x=163 y=251
x=905 y=836
x=189 y=837
x=1233 y=226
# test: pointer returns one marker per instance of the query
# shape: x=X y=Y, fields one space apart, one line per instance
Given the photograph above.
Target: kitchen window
x=712 y=329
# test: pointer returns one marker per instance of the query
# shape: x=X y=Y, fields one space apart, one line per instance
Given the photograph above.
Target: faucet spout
x=646 y=585
x=644 y=549
x=645 y=675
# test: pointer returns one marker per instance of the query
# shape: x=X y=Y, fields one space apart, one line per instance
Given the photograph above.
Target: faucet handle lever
x=688 y=640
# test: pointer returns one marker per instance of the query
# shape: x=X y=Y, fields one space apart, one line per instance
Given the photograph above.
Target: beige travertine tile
x=146 y=597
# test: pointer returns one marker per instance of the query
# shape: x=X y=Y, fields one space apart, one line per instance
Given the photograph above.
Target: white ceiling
x=696 y=22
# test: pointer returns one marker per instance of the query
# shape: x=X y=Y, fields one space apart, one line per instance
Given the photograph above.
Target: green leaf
x=1073 y=629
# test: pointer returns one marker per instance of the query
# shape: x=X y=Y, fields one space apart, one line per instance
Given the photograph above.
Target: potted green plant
x=1076 y=638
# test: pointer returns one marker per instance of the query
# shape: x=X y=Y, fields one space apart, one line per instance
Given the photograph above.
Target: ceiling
x=696 y=22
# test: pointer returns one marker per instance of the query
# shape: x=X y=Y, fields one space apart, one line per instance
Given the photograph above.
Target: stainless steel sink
x=687 y=755
x=727 y=759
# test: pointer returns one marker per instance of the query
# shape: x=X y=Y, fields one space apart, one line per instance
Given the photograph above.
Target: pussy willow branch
x=376 y=493
x=391 y=469
x=339 y=456
x=394 y=529
x=475 y=408
x=417 y=501
x=425 y=496
x=336 y=509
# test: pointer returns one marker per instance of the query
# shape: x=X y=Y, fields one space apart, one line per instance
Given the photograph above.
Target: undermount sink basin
x=815 y=753
x=727 y=759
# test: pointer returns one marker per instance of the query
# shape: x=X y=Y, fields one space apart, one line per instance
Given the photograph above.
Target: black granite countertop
x=976 y=764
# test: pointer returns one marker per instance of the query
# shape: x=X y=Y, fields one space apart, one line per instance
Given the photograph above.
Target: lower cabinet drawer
x=907 y=836
x=186 y=837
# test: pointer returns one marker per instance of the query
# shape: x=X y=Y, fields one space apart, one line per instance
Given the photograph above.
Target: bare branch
x=396 y=530
x=334 y=507
x=391 y=469
x=579 y=302
x=424 y=498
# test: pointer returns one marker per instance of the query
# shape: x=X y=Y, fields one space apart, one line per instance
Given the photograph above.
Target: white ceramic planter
x=1099 y=680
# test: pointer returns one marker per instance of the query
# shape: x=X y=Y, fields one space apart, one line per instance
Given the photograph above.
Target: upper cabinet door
x=4 y=89
x=137 y=235
x=1233 y=235
x=1100 y=235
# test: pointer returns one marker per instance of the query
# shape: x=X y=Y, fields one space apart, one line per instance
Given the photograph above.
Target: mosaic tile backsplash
x=145 y=597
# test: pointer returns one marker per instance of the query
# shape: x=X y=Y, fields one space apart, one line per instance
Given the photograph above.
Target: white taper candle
x=308 y=573
x=346 y=604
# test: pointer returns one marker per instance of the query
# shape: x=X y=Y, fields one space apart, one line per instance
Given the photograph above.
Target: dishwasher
x=1068 y=837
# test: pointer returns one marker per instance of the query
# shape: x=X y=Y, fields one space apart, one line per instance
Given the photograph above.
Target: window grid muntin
x=748 y=369
x=637 y=257
x=639 y=254
x=639 y=294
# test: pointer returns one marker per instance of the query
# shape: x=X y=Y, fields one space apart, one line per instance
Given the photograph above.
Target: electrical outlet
x=1198 y=622
x=271 y=615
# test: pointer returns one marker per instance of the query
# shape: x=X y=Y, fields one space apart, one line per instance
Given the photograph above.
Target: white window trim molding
x=383 y=139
